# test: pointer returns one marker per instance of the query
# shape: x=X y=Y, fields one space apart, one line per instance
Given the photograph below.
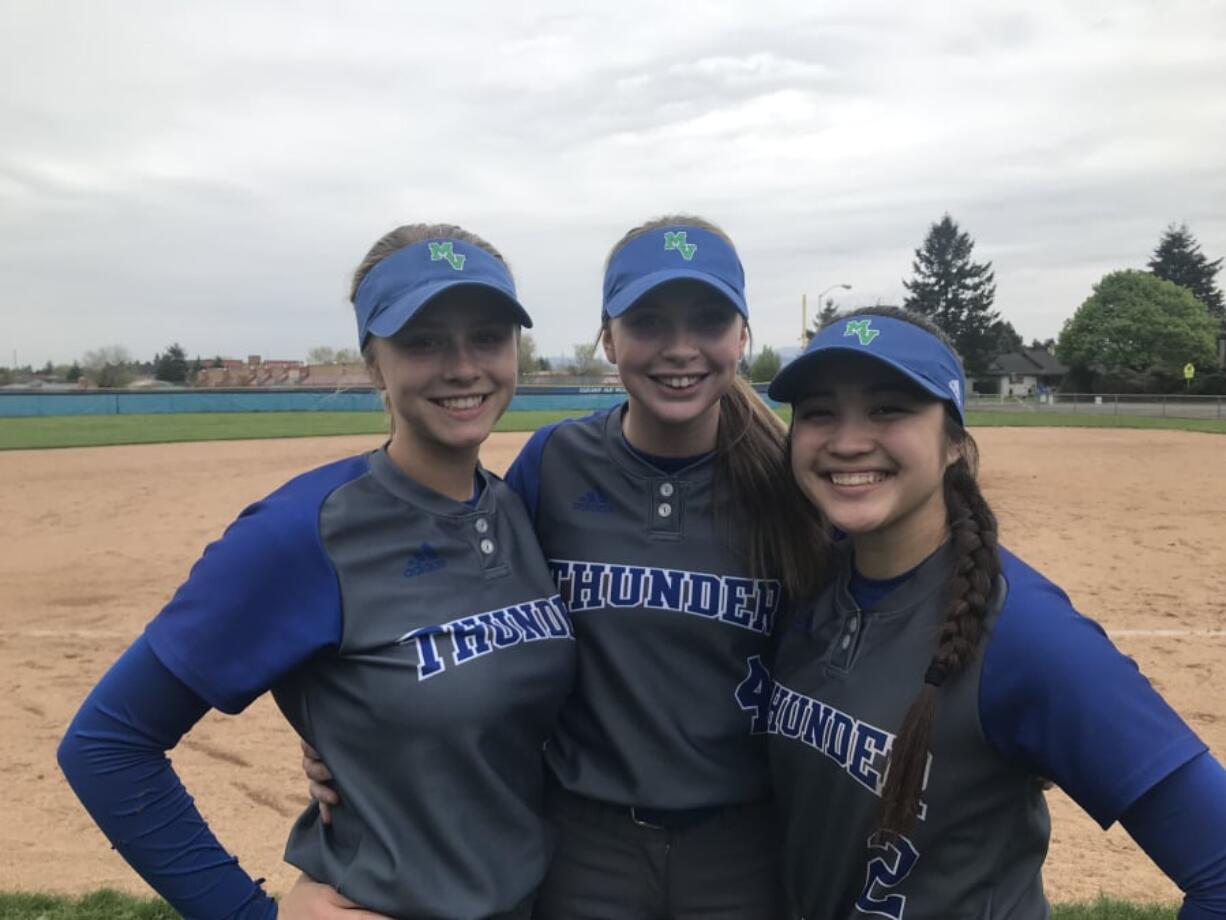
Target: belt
x=672 y=819
x=659 y=819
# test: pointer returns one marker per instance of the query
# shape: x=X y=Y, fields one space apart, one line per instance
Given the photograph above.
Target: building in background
x=1028 y=372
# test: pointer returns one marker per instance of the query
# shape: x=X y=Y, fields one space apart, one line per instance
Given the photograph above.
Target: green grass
x=1111 y=909
x=1086 y=420
x=99 y=430
x=110 y=905
x=99 y=905
x=102 y=430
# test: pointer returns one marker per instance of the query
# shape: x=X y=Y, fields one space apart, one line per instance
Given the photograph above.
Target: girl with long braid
x=918 y=707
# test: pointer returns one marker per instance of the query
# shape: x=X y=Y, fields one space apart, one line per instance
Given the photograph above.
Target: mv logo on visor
x=676 y=240
x=861 y=329
x=440 y=252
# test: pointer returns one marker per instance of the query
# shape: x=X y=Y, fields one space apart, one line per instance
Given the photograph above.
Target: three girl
x=673 y=530
x=400 y=611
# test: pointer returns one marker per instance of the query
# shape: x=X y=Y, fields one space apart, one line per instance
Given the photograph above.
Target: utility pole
x=804 y=311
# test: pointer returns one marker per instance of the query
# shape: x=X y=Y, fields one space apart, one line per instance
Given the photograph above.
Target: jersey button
x=481 y=525
x=665 y=509
x=846 y=642
x=852 y=625
x=666 y=489
x=487 y=546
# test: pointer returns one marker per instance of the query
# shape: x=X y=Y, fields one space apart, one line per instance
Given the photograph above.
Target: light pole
x=804 y=310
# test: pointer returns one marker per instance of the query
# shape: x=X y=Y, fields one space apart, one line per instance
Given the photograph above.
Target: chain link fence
x=1140 y=404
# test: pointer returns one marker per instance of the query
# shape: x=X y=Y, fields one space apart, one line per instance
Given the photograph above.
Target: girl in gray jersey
x=912 y=709
x=674 y=534
x=398 y=608
x=651 y=517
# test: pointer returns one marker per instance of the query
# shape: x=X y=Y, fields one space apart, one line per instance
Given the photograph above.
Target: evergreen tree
x=1178 y=258
x=74 y=373
x=1005 y=338
x=172 y=366
x=955 y=293
x=828 y=312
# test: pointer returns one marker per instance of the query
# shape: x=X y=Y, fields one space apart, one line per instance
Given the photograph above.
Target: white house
x=1028 y=372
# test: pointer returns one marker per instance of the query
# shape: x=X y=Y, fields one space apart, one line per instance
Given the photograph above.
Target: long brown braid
x=974 y=570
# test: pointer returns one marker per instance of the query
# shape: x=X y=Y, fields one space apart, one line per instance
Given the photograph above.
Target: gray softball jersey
x=1048 y=696
x=425 y=654
x=664 y=613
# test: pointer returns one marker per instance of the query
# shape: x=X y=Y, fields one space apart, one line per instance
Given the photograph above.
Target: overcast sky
x=211 y=172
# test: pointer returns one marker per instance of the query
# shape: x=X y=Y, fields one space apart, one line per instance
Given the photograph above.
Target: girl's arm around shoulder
x=1057 y=697
x=113 y=756
x=524 y=473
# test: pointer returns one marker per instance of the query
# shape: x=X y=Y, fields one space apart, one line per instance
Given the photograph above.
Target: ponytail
x=780 y=531
x=975 y=567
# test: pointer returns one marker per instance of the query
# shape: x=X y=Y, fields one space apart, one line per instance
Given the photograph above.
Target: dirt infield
x=1131 y=523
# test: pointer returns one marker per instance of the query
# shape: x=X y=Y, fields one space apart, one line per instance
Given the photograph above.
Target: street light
x=804 y=310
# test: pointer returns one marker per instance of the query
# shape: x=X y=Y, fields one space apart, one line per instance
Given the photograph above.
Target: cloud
x=212 y=173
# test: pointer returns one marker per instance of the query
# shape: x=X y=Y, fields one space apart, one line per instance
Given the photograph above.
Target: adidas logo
x=592 y=500
x=424 y=561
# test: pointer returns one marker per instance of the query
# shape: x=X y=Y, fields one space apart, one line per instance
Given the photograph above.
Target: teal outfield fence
x=30 y=403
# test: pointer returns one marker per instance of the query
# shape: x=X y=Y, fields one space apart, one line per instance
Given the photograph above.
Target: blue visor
x=915 y=353
x=401 y=284
x=669 y=254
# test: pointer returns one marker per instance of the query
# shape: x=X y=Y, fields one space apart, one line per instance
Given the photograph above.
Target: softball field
x=1131 y=523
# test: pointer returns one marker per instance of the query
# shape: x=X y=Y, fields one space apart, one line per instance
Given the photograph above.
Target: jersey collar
x=409 y=490
x=634 y=464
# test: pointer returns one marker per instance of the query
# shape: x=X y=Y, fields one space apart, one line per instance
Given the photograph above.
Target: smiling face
x=869 y=449
x=677 y=351
x=449 y=374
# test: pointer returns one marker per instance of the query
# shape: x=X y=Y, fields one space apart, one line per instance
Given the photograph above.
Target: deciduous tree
x=1136 y=324
x=765 y=365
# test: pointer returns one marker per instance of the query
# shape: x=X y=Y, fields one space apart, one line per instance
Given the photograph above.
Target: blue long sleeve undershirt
x=114 y=757
x=1180 y=822
x=1181 y=826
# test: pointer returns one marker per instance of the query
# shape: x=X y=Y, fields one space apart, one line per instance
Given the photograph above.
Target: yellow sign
x=1189 y=371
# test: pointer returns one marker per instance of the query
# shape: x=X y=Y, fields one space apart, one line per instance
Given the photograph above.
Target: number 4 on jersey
x=753 y=694
x=893 y=858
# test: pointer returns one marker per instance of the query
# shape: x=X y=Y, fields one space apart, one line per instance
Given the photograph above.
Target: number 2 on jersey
x=892 y=860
